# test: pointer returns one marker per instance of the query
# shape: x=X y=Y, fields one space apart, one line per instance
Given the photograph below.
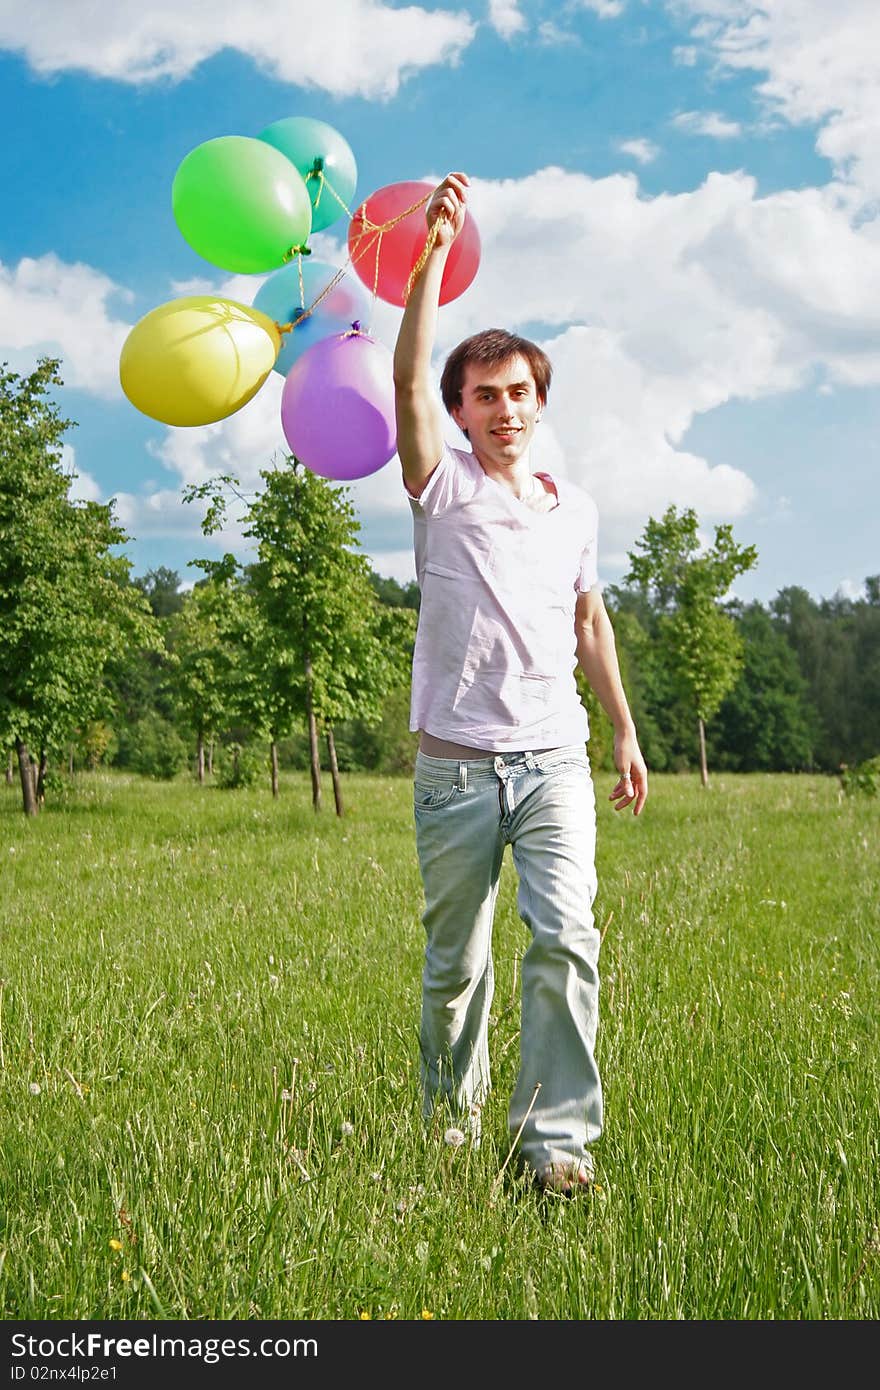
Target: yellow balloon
x=193 y=361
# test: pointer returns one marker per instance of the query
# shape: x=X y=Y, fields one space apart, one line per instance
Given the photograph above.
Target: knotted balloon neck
x=317 y=172
x=296 y=251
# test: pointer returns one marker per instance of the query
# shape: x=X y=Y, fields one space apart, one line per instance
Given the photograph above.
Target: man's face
x=499 y=410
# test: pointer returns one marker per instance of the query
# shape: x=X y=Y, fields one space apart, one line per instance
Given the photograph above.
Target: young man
x=506 y=562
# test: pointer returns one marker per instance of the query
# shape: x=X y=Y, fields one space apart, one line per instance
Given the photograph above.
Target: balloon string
x=302 y=288
x=423 y=259
x=369 y=235
x=328 y=289
x=317 y=172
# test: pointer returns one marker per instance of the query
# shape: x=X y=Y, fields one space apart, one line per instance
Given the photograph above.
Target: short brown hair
x=491 y=348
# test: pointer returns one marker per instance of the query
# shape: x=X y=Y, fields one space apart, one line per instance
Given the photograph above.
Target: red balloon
x=399 y=249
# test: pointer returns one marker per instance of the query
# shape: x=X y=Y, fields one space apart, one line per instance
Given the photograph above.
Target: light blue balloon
x=281 y=299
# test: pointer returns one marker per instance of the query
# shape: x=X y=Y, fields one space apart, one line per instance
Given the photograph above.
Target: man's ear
x=455 y=412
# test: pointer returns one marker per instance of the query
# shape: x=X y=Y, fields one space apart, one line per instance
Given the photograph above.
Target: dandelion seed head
x=35 y=1088
x=454 y=1137
x=346 y=1129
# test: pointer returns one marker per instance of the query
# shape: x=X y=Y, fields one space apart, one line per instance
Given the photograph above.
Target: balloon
x=337 y=407
x=282 y=299
x=241 y=204
x=315 y=148
x=399 y=248
x=196 y=360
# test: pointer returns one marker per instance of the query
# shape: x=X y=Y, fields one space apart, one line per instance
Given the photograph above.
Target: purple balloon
x=337 y=407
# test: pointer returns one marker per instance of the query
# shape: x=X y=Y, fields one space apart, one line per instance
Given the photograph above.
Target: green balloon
x=241 y=204
x=323 y=158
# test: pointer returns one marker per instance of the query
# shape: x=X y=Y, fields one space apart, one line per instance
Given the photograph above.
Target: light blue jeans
x=542 y=805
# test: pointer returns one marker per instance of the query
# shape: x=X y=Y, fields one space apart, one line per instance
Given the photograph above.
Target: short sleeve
x=453 y=480
x=588 y=573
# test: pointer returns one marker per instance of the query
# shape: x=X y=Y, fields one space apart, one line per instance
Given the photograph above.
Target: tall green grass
x=209 y=1065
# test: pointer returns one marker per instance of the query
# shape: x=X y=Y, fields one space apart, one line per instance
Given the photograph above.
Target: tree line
x=302 y=656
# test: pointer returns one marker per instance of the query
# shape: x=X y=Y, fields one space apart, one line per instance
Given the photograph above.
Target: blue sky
x=678 y=198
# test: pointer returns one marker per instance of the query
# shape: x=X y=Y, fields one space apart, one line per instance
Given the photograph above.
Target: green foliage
x=153 y=747
x=837 y=645
x=317 y=641
x=94 y=743
x=687 y=583
x=67 y=607
x=383 y=746
x=396 y=595
x=863 y=780
x=209 y=678
x=161 y=587
x=766 y=722
x=240 y=766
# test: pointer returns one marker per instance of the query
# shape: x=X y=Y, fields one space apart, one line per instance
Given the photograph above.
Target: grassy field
x=209 y=1084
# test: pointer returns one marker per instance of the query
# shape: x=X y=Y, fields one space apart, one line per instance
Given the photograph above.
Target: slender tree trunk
x=704 y=771
x=210 y=757
x=26 y=775
x=334 y=769
x=40 y=771
x=200 y=757
x=314 y=758
x=10 y=767
x=273 y=753
x=70 y=759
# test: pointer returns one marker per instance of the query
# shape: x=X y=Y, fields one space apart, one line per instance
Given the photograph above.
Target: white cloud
x=506 y=17
x=550 y=33
x=685 y=55
x=393 y=564
x=657 y=309
x=820 y=66
x=349 y=48
x=50 y=308
x=605 y=9
x=83 y=487
x=707 y=123
x=653 y=309
x=851 y=589
x=643 y=151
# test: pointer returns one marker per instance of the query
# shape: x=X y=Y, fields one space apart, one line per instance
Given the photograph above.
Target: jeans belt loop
x=462 y=776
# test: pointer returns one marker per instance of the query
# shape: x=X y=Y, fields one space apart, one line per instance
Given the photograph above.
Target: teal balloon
x=241 y=204
x=281 y=299
x=316 y=149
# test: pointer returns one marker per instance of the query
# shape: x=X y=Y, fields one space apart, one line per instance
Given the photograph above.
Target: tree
x=162 y=588
x=330 y=645
x=324 y=647
x=687 y=585
x=766 y=722
x=837 y=644
x=205 y=676
x=66 y=603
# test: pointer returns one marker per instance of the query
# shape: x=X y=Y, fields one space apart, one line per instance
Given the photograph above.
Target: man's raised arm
x=419 y=426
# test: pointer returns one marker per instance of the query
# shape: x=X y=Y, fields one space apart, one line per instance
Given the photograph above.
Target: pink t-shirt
x=495 y=650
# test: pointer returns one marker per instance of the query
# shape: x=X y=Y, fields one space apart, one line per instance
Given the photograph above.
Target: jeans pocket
x=433 y=796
